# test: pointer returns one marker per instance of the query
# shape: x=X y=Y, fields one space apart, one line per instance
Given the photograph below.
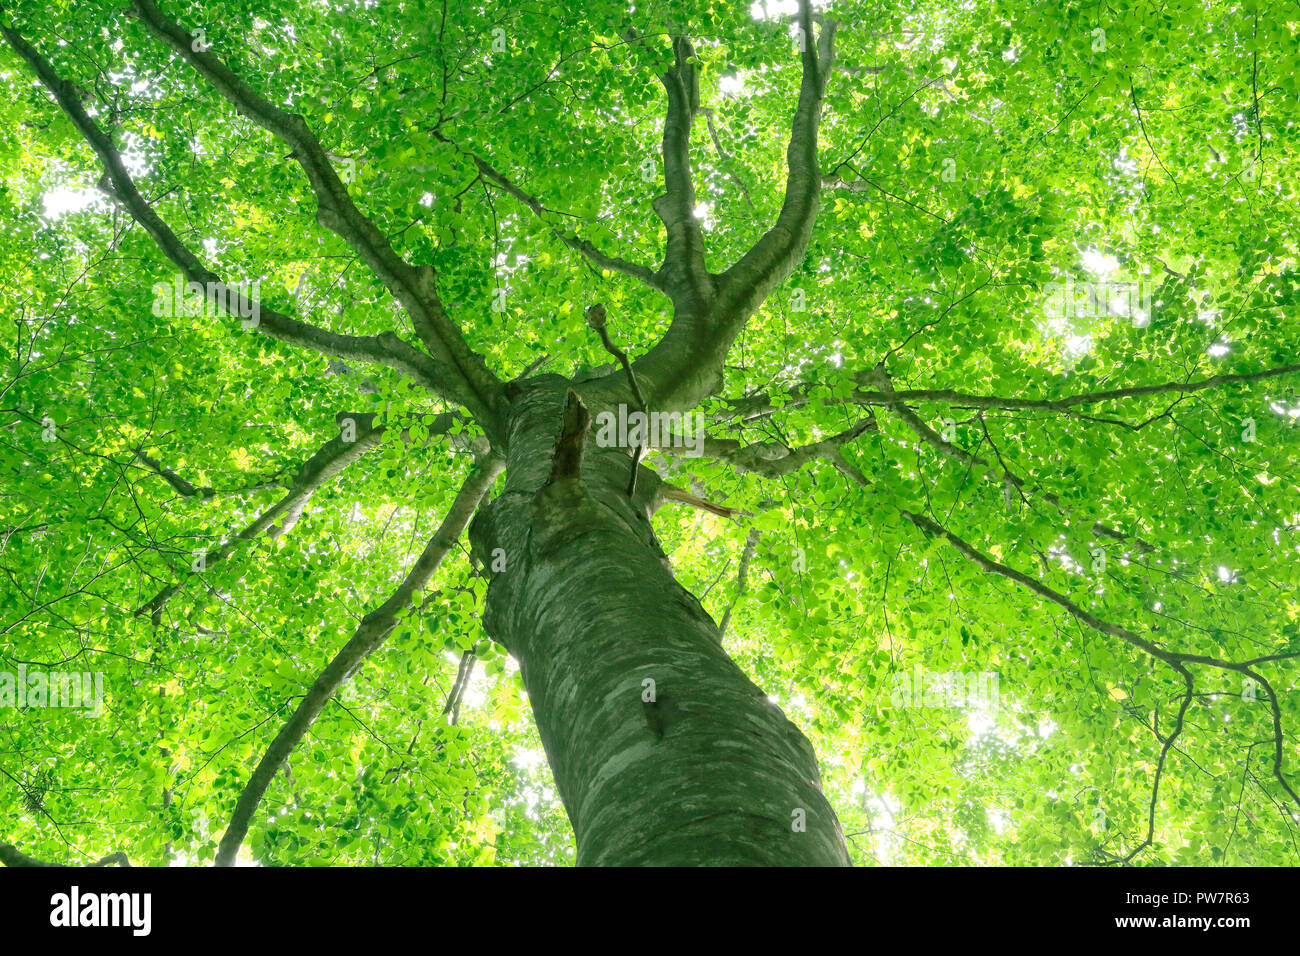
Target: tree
x=931 y=366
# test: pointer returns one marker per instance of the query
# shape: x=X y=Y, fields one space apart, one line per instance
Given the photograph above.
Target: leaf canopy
x=1021 y=202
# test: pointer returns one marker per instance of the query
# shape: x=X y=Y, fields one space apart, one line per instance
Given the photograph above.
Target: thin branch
x=1173 y=658
x=327 y=462
x=370 y=634
x=572 y=240
x=188 y=490
x=952 y=397
x=1167 y=744
x=179 y=484
x=742 y=579
x=1042 y=590
x=862 y=185
x=464 y=671
x=956 y=453
x=596 y=320
x=728 y=160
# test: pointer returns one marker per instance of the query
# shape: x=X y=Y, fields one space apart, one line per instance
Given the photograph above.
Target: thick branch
x=776 y=254
x=686 y=365
x=384 y=349
x=462 y=371
x=683 y=271
x=10 y=855
x=370 y=634
x=774 y=460
x=669 y=492
x=761 y=404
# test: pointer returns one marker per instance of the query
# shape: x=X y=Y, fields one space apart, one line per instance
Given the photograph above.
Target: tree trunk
x=664 y=752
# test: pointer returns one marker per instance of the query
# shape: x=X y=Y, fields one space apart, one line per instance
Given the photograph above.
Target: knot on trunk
x=567 y=461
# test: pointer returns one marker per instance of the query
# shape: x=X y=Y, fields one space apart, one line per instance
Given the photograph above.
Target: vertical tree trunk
x=664 y=752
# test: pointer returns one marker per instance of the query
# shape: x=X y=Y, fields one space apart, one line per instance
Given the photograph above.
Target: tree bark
x=664 y=752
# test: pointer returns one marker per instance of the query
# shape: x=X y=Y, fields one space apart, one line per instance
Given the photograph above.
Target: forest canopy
x=976 y=330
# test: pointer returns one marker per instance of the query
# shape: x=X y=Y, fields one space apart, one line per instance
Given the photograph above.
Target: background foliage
x=997 y=147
